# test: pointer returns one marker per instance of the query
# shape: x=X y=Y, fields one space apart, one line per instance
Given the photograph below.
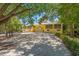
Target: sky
x=37 y=17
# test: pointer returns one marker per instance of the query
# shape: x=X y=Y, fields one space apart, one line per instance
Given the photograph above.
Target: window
x=57 y=26
x=49 y=26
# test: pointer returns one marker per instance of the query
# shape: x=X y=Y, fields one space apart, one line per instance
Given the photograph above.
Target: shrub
x=57 y=34
x=72 y=44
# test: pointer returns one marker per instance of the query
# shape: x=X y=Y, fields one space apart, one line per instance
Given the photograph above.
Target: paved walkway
x=34 y=44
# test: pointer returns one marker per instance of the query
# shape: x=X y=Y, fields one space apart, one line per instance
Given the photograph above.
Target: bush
x=57 y=34
x=72 y=44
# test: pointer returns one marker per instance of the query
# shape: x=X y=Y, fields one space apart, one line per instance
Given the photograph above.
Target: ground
x=33 y=44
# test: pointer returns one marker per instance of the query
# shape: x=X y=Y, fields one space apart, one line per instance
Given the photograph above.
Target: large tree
x=9 y=10
x=69 y=15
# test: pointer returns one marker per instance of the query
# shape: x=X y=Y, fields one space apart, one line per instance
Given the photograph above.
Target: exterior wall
x=60 y=30
x=42 y=28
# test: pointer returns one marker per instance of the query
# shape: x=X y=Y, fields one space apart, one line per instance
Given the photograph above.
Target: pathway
x=33 y=44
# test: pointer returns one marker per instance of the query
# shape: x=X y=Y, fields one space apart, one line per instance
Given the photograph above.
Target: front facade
x=54 y=28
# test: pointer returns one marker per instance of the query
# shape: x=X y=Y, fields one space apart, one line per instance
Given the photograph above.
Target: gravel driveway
x=33 y=44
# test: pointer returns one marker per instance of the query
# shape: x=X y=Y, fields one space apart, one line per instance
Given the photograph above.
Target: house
x=54 y=28
x=47 y=27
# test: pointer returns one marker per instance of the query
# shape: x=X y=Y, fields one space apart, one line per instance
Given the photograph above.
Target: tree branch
x=14 y=9
x=14 y=14
x=3 y=8
x=21 y=12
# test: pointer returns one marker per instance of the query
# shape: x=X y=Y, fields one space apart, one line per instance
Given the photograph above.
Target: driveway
x=33 y=44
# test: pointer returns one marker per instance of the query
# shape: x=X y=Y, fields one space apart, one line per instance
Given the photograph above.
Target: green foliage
x=34 y=9
x=72 y=44
x=13 y=25
x=69 y=13
x=42 y=19
x=57 y=34
x=69 y=16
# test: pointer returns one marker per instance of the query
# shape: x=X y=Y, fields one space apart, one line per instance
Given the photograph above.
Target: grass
x=71 y=43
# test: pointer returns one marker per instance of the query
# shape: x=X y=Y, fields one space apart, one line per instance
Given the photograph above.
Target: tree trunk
x=71 y=30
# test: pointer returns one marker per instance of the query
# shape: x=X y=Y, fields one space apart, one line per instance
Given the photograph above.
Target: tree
x=42 y=19
x=13 y=25
x=9 y=10
x=69 y=14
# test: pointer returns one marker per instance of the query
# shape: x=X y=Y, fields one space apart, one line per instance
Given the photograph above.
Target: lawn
x=71 y=43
